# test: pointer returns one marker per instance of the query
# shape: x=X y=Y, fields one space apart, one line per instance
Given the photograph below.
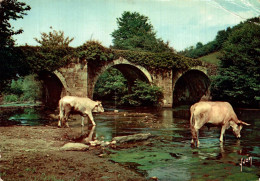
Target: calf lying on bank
x=216 y=113
x=80 y=105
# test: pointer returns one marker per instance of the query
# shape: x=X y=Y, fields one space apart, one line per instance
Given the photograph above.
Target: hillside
x=211 y=58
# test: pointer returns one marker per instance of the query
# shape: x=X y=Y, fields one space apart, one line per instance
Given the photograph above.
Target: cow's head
x=98 y=107
x=236 y=128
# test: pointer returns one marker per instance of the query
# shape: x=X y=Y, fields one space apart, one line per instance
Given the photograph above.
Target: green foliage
x=49 y=59
x=200 y=49
x=11 y=98
x=10 y=64
x=26 y=88
x=54 y=39
x=212 y=58
x=10 y=10
x=110 y=84
x=31 y=89
x=143 y=94
x=16 y=87
x=158 y=61
x=221 y=37
x=239 y=73
x=52 y=54
x=94 y=53
x=135 y=32
x=45 y=58
x=212 y=46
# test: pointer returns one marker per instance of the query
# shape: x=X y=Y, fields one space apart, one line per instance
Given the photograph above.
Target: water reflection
x=28 y=116
x=90 y=136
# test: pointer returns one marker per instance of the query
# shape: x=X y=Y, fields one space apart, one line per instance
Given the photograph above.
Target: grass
x=212 y=58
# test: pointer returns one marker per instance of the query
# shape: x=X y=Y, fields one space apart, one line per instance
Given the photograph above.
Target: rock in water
x=135 y=137
x=74 y=147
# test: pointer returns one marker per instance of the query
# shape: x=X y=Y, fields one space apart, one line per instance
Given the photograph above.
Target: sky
x=181 y=22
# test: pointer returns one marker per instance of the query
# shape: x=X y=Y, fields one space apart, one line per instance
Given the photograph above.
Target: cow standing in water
x=216 y=113
x=80 y=105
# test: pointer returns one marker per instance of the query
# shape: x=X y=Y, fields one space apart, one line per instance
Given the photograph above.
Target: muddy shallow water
x=169 y=155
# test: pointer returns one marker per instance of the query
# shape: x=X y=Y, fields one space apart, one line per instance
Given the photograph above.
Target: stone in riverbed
x=135 y=137
x=74 y=147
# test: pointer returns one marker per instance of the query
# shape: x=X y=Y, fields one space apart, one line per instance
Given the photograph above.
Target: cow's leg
x=195 y=130
x=195 y=136
x=65 y=120
x=223 y=129
x=82 y=124
x=61 y=113
x=67 y=110
x=59 y=122
x=91 y=118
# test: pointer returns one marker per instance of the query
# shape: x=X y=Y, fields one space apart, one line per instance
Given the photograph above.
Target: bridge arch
x=190 y=86
x=54 y=87
x=129 y=70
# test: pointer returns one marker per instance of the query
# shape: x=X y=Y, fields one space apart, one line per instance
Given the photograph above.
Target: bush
x=24 y=89
x=143 y=95
x=16 y=87
x=11 y=98
x=31 y=89
x=110 y=84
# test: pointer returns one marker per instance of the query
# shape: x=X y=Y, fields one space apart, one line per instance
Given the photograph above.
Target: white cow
x=80 y=105
x=216 y=113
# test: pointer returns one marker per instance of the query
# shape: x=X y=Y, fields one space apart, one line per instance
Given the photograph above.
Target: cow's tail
x=194 y=139
x=192 y=120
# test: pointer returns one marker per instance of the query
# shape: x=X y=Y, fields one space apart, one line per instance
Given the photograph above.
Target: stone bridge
x=80 y=78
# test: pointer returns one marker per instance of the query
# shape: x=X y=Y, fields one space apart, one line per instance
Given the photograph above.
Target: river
x=169 y=155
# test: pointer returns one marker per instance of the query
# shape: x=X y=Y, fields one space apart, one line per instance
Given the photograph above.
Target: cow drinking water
x=83 y=106
x=216 y=113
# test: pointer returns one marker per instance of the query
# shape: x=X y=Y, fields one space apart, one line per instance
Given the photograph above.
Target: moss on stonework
x=50 y=59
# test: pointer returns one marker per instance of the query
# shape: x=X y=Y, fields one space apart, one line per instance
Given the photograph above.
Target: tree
x=222 y=36
x=10 y=10
x=135 y=32
x=199 y=45
x=9 y=61
x=54 y=39
x=239 y=74
x=52 y=54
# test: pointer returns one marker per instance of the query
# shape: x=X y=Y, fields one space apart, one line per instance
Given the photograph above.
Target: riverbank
x=33 y=153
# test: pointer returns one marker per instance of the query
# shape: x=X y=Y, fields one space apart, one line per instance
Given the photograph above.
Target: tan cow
x=216 y=113
x=83 y=106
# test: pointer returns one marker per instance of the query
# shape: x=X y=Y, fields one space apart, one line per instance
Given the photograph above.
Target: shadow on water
x=168 y=155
